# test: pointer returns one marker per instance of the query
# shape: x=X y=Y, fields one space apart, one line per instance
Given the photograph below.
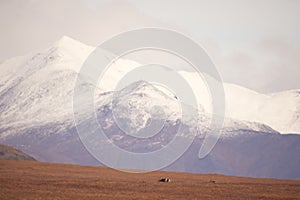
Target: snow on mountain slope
x=36 y=112
x=138 y=106
x=142 y=96
x=38 y=89
x=279 y=110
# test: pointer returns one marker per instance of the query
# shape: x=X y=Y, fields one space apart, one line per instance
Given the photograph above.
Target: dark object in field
x=212 y=181
x=165 y=180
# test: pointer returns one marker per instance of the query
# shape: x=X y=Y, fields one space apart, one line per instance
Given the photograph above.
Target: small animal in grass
x=212 y=181
x=165 y=180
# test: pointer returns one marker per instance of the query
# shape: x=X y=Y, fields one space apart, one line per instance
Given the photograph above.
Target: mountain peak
x=66 y=41
x=68 y=53
x=142 y=88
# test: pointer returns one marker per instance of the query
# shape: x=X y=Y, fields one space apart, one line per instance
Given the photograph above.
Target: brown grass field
x=37 y=180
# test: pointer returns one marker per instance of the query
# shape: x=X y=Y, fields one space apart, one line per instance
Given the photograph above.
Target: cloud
x=30 y=25
x=270 y=65
x=253 y=43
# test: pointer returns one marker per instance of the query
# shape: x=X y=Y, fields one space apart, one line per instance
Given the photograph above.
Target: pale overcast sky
x=254 y=43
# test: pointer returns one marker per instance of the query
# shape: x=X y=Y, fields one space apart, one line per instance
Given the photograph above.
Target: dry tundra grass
x=36 y=180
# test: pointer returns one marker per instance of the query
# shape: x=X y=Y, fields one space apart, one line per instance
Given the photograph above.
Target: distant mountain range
x=36 y=96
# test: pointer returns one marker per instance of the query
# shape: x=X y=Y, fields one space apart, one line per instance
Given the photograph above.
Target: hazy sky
x=253 y=43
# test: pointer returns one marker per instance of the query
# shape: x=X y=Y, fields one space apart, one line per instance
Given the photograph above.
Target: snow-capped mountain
x=36 y=111
x=280 y=110
x=32 y=86
x=37 y=89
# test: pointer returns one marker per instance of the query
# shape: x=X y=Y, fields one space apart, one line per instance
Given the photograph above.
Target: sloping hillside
x=10 y=153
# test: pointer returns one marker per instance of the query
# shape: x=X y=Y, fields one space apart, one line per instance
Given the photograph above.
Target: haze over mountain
x=36 y=110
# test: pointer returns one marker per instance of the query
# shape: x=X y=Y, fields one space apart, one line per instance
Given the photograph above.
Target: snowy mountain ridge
x=38 y=89
x=36 y=112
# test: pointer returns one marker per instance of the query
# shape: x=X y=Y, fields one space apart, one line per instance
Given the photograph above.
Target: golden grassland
x=37 y=180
